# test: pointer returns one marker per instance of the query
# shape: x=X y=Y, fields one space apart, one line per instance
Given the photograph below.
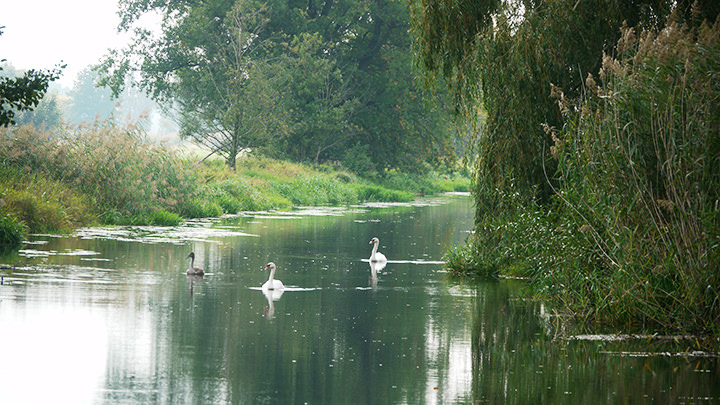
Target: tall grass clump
x=12 y=231
x=126 y=176
x=315 y=189
x=639 y=171
x=42 y=204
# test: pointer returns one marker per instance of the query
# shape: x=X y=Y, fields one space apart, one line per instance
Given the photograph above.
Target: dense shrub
x=12 y=231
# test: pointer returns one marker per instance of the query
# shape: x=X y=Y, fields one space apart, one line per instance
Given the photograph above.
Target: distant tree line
x=85 y=103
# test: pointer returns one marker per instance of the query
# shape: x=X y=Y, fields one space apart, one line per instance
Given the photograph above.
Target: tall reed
x=631 y=236
x=123 y=173
x=639 y=166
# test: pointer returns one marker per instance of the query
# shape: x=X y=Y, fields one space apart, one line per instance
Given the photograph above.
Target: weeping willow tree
x=504 y=56
x=615 y=239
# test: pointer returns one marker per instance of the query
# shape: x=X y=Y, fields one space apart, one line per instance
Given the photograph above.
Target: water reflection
x=123 y=327
x=375 y=267
x=271 y=296
x=192 y=279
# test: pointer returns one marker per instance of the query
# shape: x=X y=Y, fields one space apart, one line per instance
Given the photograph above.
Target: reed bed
x=630 y=239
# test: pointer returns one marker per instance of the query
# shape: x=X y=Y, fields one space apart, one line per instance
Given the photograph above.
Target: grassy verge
x=105 y=174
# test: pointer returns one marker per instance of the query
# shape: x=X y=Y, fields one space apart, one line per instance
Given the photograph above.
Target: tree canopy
x=23 y=93
x=302 y=80
x=508 y=56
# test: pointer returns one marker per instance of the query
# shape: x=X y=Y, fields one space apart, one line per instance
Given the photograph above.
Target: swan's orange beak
x=267 y=267
x=370 y=243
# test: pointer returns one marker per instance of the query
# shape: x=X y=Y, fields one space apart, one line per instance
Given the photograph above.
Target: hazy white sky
x=43 y=33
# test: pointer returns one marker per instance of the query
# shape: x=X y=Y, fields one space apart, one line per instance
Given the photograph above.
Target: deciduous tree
x=23 y=93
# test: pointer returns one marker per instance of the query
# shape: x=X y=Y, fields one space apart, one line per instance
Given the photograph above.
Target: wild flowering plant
x=640 y=181
x=119 y=169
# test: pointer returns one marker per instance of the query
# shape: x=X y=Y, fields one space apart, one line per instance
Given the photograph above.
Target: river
x=108 y=316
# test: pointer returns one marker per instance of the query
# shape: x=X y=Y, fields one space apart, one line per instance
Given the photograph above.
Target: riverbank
x=628 y=239
x=111 y=175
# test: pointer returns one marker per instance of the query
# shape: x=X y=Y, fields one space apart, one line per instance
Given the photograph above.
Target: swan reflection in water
x=193 y=278
x=271 y=296
x=375 y=267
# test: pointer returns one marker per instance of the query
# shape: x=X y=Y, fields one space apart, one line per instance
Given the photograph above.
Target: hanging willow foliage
x=506 y=55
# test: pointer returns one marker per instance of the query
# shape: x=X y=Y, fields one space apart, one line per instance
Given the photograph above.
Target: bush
x=12 y=231
x=367 y=192
x=163 y=218
x=44 y=205
x=201 y=208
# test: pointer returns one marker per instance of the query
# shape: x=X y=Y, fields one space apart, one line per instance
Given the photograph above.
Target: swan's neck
x=192 y=263
x=375 y=248
x=272 y=276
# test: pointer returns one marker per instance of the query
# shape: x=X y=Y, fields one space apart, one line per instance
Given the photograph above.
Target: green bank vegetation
x=106 y=174
x=598 y=175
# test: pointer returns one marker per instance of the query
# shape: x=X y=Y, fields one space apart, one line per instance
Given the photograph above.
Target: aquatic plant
x=42 y=204
x=12 y=231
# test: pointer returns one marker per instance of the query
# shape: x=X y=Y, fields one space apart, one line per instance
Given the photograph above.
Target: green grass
x=12 y=231
x=56 y=182
x=41 y=204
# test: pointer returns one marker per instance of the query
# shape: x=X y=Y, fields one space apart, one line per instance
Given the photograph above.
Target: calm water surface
x=108 y=316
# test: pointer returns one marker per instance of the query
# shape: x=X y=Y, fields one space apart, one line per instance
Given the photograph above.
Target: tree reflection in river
x=136 y=329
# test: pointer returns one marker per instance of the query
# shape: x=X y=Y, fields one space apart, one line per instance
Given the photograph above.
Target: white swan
x=272 y=284
x=192 y=270
x=376 y=256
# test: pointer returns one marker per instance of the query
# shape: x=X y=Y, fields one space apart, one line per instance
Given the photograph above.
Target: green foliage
x=76 y=177
x=631 y=234
x=163 y=218
x=509 y=58
x=463 y=261
x=366 y=192
x=640 y=179
x=12 y=231
x=201 y=208
x=357 y=160
x=289 y=79
x=19 y=94
x=47 y=114
x=114 y=166
x=41 y=204
x=606 y=196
